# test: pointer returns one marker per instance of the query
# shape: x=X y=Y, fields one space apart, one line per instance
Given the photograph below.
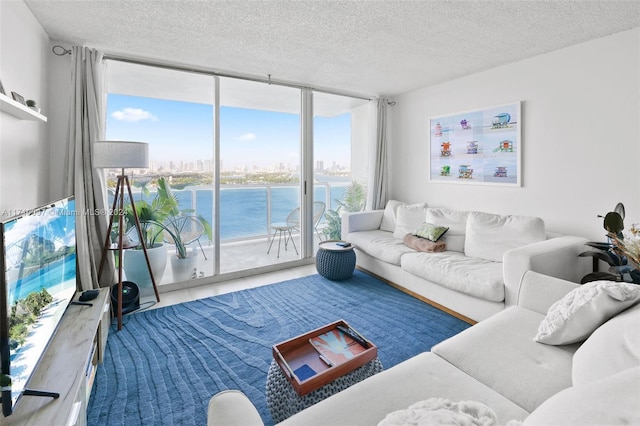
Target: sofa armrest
x=537 y=292
x=556 y=257
x=361 y=221
x=232 y=407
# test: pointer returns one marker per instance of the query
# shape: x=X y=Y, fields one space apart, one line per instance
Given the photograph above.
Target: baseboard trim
x=420 y=297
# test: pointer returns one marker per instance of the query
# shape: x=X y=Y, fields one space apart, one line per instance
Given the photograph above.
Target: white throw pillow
x=613 y=347
x=389 y=216
x=409 y=217
x=489 y=236
x=456 y=221
x=610 y=401
x=574 y=317
x=441 y=411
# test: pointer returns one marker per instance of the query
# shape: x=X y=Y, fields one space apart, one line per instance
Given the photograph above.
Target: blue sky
x=181 y=131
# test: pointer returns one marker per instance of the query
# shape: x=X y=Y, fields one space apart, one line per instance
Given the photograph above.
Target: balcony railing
x=247 y=210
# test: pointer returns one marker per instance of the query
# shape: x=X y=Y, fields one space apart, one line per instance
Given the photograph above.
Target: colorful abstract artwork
x=477 y=147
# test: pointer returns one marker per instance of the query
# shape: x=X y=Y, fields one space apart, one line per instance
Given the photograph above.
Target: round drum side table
x=334 y=261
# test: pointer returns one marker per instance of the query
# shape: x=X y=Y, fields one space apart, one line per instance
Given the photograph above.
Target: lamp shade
x=120 y=155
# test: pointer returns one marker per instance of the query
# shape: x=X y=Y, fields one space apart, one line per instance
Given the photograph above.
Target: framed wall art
x=477 y=147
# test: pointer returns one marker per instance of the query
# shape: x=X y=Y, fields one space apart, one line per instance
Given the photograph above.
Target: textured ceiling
x=359 y=47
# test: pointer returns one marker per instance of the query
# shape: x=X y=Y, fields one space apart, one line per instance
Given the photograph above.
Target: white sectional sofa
x=486 y=254
x=497 y=363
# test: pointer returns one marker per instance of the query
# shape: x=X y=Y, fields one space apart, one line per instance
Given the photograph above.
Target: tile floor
x=200 y=292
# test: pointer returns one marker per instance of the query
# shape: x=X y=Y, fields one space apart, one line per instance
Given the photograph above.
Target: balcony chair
x=191 y=230
x=285 y=228
x=293 y=224
x=318 y=211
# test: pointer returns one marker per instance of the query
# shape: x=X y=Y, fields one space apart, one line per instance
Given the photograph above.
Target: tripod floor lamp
x=122 y=155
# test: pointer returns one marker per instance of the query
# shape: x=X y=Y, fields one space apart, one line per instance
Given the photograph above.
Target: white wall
x=581 y=136
x=60 y=90
x=24 y=145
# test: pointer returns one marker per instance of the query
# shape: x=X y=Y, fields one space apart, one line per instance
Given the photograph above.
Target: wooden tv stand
x=67 y=367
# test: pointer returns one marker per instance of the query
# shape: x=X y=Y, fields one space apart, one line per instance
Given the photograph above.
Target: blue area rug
x=165 y=364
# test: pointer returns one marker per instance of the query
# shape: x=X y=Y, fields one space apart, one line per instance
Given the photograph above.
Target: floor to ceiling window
x=340 y=159
x=234 y=152
x=259 y=174
x=174 y=112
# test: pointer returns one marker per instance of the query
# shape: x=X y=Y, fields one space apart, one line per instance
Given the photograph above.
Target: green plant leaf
x=613 y=222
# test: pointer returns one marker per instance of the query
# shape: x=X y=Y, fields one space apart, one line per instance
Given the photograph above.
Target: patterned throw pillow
x=430 y=231
x=574 y=317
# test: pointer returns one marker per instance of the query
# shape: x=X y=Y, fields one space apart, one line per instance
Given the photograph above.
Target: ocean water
x=243 y=211
x=56 y=277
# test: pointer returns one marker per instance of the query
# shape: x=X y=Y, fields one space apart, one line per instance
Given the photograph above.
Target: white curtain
x=378 y=181
x=86 y=125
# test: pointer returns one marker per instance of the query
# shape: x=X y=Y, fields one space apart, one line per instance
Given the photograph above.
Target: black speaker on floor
x=130 y=297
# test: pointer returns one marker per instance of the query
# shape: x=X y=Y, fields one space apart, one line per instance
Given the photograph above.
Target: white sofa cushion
x=613 y=347
x=489 y=236
x=455 y=220
x=409 y=217
x=470 y=275
x=613 y=400
x=574 y=317
x=379 y=244
x=501 y=353
x=421 y=377
x=389 y=216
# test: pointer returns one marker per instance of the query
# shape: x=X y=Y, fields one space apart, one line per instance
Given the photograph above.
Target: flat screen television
x=37 y=283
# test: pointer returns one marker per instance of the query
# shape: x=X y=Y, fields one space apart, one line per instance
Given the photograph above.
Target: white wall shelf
x=18 y=110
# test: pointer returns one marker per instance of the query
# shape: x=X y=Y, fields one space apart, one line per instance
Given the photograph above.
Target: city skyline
x=250 y=139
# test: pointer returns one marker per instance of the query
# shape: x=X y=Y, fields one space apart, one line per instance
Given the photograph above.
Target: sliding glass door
x=174 y=112
x=259 y=174
x=258 y=171
x=340 y=132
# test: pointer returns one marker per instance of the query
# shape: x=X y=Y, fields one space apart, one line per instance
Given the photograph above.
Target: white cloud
x=133 y=115
x=247 y=137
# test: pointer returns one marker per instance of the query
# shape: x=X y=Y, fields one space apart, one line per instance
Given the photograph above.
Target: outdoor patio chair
x=293 y=224
x=285 y=228
x=190 y=228
x=318 y=211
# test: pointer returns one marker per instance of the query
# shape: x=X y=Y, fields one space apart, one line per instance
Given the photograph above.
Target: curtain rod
x=268 y=80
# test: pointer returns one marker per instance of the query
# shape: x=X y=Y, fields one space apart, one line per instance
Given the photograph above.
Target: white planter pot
x=182 y=269
x=135 y=267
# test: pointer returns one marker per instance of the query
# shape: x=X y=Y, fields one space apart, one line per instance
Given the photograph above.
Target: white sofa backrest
x=389 y=215
x=611 y=348
x=409 y=217
x=456 y=221
x=489 y=236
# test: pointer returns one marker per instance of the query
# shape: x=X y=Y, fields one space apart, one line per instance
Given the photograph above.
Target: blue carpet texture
x=165 y=364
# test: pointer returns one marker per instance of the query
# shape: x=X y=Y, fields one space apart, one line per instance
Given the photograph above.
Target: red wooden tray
x=294 y=353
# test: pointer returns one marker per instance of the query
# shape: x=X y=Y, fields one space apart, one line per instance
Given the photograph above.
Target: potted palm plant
x=150 y=216
x=353 y=200
x=180 y=228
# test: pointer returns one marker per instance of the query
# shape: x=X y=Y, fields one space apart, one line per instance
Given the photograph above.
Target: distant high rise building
x=319 y=166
